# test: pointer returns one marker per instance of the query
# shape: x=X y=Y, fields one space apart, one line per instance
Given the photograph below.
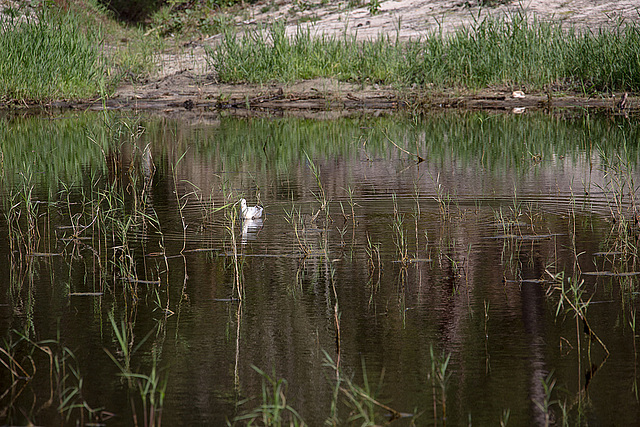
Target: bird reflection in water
x=250 y=229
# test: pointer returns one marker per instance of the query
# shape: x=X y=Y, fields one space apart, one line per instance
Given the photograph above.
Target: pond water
x=446 y=269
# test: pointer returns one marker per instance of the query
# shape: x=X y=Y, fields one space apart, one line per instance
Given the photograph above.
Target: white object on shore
x=518 y=94
x=250 y=212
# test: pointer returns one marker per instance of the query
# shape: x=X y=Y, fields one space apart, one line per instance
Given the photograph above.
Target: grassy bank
x=492 y=52
x=83 y=52
x=47 y=56
x=79 y=52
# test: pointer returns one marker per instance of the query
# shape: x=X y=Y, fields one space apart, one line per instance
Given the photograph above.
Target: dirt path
x=185 y=84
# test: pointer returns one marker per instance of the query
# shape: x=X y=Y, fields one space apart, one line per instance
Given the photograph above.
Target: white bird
x=250 y=212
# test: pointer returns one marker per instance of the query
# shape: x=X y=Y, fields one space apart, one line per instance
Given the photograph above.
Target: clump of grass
x=364 y=407
x=151 y=387
x=136 y=60
x=269 y=54
x=511 y=51
x=47 y=57
x=49 y=373
x=131 y=52
x=296 y=219
x=274 y=410
x=440 y=377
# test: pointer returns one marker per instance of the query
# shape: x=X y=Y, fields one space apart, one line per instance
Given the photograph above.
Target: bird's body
x=250 y=212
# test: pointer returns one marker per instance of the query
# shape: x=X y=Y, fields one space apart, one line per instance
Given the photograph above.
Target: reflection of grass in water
x=499 y=144
x=67 y=149
x=68 y=159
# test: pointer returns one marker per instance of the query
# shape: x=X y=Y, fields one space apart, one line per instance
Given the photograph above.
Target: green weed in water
x=504 y=419
x=52 y=366
x=364 y=407
x=400 y=238
x=374 y=264
x=320 y=195
x=152 y=386
x=572 y=299
x=274 y=410
x=548 y=384
x=440 y=379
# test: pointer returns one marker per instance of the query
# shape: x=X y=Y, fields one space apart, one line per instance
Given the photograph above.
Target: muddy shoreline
x=329 y=98
x=185 y=94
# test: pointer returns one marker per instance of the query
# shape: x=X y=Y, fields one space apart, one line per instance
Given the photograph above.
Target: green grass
x=65 y=55
x=49 y=57
x=512 y=51
x=81 y=52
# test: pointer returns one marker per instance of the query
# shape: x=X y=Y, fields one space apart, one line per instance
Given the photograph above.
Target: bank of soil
x=185 y=84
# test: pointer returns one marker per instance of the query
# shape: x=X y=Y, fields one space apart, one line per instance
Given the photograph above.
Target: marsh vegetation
x=414 y=269
x=494 y=278
x=514 y=51
x=80 y=52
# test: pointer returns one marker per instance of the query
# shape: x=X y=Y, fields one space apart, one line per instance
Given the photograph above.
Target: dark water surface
x=428 y=285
